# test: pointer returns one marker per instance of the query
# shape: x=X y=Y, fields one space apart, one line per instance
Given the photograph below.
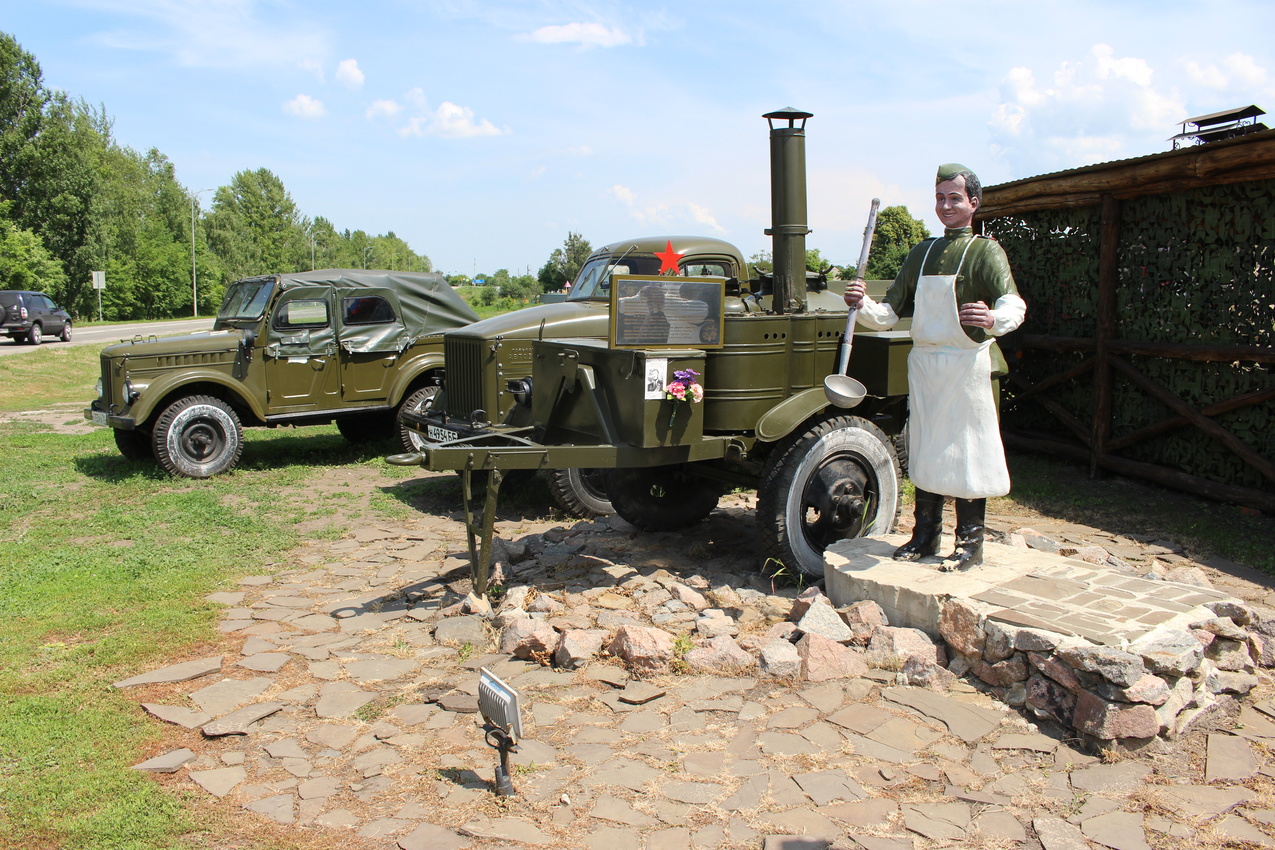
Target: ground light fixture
x=502 y=723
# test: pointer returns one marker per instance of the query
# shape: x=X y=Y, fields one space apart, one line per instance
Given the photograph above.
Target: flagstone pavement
x=339 y=708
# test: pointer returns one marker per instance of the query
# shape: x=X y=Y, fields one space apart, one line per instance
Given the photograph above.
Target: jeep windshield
x=593 y=283
x=246 y=301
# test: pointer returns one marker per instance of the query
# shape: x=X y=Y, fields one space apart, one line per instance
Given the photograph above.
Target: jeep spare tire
x=197 y=437
x=661 y=498
x=839 y=478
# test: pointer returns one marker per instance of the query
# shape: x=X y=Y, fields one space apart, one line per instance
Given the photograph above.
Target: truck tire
x=367 y=427
x=197 y=437
x=837 y=479
x=580 y=492
x=900 y=443
x=416 y=402
x=36 y=335
x=133 y=445
x=661 y=498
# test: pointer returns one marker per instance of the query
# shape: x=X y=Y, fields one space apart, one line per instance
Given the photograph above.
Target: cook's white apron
x=954 y=444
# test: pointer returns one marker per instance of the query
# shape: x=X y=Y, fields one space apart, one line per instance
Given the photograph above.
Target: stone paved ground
x=357 y=700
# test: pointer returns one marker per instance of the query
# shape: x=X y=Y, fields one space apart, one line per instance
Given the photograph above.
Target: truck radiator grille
x=464 y=359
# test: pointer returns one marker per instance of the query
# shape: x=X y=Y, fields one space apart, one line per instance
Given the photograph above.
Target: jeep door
x=300 y=352
x=371 y=334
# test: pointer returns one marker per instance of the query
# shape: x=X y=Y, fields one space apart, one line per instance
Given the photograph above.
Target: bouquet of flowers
x=683 y=387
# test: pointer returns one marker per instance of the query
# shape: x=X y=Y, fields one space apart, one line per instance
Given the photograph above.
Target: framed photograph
x=656 y=375
x=650 y=311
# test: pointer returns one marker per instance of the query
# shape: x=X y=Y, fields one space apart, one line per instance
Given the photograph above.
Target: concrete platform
x=1021 y=587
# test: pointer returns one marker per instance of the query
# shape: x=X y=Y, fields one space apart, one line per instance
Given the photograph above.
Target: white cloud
x=1239 y=71
x=448 y=121
x=312 y=66
x=196 y=33
x=304 y=106
x=664 y=216
x=577 y=150
x=348 y=74
x=583 y=34
x=1097 y=108
x=383 y=109
x=538 y=172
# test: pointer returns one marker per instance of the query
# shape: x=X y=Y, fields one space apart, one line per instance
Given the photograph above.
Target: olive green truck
x=581 y=390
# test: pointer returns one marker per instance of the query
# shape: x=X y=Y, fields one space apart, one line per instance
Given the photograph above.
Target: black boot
x=970 y=515
x=928 y=528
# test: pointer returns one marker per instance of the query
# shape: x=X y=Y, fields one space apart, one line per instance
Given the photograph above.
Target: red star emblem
x=669 y=258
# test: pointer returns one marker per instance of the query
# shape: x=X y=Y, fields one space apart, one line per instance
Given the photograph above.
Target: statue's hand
x=855 y=291
x=976 y=314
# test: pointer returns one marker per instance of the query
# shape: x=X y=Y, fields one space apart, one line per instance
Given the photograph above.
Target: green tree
x=897 y=232
x=25 y=263
x=255 y=227
x=564 y=263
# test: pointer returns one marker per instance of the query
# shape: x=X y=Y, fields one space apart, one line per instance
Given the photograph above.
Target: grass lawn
x=109 y=562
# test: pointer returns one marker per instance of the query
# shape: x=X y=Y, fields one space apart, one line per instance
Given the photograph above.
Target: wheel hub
x=200 y=441
x=834 y=502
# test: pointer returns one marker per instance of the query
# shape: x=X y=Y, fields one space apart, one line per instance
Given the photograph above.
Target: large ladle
x=840 y=389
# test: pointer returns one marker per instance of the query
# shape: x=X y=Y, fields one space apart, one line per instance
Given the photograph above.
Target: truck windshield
x=593 y=283
x=246 y=300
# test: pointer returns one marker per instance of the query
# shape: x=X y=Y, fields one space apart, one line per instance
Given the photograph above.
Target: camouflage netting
x=1195 y=268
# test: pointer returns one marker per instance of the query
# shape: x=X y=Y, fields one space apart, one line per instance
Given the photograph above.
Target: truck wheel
x=900 y=443
x=36 y=335
x=837 y=479
x=366 y=427
x=581 y=492
x=197 y=437
x=661 y=498
x=134 y=445
x=417 y=402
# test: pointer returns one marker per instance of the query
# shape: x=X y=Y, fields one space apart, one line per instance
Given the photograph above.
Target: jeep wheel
x=580 y=492
x=197 y=437
x=36 y=335
x=366 y=427
x=661 y=498
x=837 y=479
x=134 y=445
x=418 y=402
x=65 y=336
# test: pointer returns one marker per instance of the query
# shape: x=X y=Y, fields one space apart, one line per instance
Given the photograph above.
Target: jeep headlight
x=132 y=391
x=101 y=388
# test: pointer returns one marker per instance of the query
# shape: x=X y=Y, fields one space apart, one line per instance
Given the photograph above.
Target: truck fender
x=782 y=419
x=408 y=373
x=160 y=389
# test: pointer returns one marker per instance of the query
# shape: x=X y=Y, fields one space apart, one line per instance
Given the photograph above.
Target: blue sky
x=481 y=132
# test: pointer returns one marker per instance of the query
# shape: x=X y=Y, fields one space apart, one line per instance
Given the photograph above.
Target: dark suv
x=31 y=316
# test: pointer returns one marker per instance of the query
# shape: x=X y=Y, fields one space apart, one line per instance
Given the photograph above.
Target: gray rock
x=228 y=694
x=1173 y=653
x=469 y=629
x=341 y=699
x=780 y=659
x=219 y=781
x=280 y=808
x=822 y=619
x=1056 y=834
x=183 y=672
x=237 y=722
x=720 y=656
x=1229 y=759
x=1116 y=666
x=967 y=722
x=169 y=762
x=1117 y=830
x=507 y=829
x=177 y=714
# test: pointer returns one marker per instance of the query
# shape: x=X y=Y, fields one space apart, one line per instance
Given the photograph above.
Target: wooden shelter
x=1150 y=334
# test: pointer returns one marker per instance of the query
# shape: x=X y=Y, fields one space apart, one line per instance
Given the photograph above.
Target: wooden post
x=1105 y=329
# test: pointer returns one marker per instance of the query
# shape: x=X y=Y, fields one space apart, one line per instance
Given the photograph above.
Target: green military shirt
x=984 y=276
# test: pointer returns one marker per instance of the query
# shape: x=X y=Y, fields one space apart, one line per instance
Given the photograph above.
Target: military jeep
x=355 y=347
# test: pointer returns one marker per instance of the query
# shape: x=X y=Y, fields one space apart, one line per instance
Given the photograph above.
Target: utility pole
x=194 y=277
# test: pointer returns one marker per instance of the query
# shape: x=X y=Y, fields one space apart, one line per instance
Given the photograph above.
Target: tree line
x=73 y=200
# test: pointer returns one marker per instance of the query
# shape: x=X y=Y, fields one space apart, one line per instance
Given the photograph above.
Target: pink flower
x=698 y=392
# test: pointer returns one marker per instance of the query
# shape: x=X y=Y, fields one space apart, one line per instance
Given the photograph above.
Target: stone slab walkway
x=360 y=720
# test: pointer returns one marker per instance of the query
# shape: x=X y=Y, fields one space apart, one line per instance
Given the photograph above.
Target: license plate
x=99 y=417
x=441 y=435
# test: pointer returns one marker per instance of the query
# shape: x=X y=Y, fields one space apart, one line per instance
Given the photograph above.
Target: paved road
x=102 y=334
